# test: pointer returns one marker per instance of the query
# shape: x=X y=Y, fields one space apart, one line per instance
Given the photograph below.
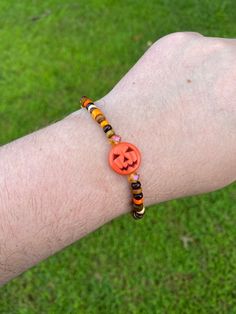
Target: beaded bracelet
x=124 y=158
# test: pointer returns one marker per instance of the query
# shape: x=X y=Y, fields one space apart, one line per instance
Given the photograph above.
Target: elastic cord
x=124 y=158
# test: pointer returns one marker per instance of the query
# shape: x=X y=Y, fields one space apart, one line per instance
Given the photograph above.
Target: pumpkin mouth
x=128 y=166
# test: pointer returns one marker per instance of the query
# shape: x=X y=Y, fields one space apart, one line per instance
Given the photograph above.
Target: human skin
x=177 y=105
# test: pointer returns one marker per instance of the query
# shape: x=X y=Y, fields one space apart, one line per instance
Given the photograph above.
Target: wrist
x=106 y=188
x=133 y=122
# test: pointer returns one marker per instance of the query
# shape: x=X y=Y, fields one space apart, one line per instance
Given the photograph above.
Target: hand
x=178 y=104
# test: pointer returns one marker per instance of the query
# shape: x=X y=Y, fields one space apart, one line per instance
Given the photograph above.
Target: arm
x=177 y=104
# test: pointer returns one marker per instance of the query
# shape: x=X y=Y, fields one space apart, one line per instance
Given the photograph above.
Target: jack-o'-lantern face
x=124 y=158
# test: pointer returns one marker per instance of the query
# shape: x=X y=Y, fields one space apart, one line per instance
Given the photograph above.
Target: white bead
x=91 y=106
x=141 y=211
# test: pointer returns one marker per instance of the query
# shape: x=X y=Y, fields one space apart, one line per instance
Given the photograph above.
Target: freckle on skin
x=189 y=81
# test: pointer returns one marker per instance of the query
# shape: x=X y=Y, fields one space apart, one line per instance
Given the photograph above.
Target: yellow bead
x=104 y=123
x=133 y=177
x=96 y=112
x=136 y=191
x=110 y=133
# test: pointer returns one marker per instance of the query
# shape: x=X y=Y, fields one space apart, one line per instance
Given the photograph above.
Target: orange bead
x=95 y=113
x=138 y=201
x=104 y=123
x=85 y=101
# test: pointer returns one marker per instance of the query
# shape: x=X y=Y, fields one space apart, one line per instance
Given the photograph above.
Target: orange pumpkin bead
x=124 y=158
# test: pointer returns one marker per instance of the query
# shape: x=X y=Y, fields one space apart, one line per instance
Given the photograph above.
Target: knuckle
x=167 y=46
x=181 y=36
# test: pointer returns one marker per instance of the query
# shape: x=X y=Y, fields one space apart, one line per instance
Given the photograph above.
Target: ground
x=181 y=258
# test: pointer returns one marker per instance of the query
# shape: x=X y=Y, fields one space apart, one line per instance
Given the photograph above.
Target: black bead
x=107 y=128
x=138 y=196
x=136 y=185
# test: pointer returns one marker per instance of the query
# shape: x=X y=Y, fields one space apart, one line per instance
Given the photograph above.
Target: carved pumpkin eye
x=129 y=149
x=115 y=156
x=124 y=158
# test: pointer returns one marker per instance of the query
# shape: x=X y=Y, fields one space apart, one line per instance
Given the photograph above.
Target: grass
x=182 y=258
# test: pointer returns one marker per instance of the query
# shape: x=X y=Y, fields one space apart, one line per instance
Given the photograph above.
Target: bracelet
x=124 y=158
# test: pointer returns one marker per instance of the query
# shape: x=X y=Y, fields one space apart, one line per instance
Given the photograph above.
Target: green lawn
x=182 y=257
